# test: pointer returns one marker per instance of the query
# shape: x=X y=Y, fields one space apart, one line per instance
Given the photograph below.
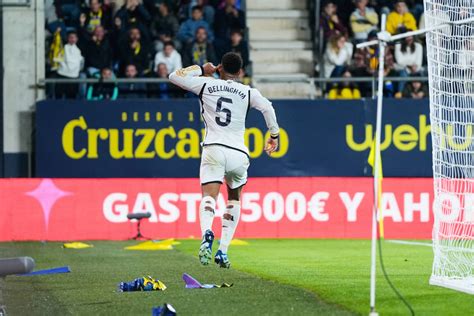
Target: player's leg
x=211 y=175
x=207 y=208
x=230 y=220
x=235 y=179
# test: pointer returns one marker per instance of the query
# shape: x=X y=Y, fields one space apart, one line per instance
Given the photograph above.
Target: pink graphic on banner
x=47 y=194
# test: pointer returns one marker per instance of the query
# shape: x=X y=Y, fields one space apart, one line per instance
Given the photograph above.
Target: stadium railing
x=316 y=86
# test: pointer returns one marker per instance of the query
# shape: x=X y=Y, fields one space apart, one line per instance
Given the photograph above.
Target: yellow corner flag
x=379 y=173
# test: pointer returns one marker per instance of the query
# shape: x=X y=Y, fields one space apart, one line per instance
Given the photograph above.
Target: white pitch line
x=411 y=243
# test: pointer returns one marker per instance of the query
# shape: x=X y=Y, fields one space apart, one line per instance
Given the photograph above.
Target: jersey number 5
x=228 y=113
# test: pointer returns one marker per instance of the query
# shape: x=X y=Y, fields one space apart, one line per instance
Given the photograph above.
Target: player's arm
x=259 y=102
x=190 y=78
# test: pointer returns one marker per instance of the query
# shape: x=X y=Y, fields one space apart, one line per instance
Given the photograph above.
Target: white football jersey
x=224 y=107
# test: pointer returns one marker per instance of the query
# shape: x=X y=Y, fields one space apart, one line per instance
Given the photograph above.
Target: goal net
x=450 y=52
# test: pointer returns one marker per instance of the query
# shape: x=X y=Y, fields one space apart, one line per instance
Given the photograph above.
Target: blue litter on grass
x=48 y=271
x=165 y=310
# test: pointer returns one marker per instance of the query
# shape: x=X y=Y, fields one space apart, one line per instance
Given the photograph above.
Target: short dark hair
x=72 y=32
x=168 y=43
x=233 y=31
x=232 y=63
x=196 y=7
x=325 y=3
x=201 y=28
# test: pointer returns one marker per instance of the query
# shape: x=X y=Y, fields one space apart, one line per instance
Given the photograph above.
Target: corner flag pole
x=378 y=130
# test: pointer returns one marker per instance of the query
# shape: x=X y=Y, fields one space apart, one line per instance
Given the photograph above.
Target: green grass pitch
x=271 y=277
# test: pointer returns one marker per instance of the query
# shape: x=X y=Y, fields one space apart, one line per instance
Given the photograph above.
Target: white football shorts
x=219 y=163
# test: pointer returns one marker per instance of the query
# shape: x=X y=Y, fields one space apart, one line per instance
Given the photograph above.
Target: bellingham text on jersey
x=233 y=90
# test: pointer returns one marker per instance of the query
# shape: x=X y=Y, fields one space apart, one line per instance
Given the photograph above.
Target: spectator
x=185 y=11
x=363 y=20
x=189 y=28
x=227 y=19
x=69 y=67
x=219 y=4
x=360 y=68
x=337 y=56
x=103 y=90
x=170 y=57
x=347 y=90
x=239 y=46
x=68 y=11
x=164 y=38
x=416 y=8
x=200 y=51
x=53 y=22
x=373 y=55
x=96 y=15
x=164 y=90
x=133 y=15
x=346 y=7
x=390 y=89
x=132 y=90
x=97 y=52
x=408 y=57
x=401 y=17
x=330 y=22
x=165 y=22
x=415 y=89
x=134 y=50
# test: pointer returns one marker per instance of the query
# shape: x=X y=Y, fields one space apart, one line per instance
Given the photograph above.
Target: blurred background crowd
x=135 y=39
x=110 y=39
x=346 y=23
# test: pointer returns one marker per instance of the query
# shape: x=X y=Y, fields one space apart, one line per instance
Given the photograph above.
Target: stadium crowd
x=344 y=23
x=109 y=39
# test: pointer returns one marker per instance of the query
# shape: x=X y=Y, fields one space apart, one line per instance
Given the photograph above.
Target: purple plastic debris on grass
x=192 y=283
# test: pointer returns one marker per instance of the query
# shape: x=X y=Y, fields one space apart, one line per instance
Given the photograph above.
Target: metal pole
x=373 y=266
x=318 y=39
x=312 y=89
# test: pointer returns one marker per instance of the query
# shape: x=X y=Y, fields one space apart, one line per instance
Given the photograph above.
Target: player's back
x=224 y=108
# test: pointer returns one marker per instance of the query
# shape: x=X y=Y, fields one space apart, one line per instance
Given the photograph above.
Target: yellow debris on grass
x=166 y=244
x=76 y=245
x=239 y=242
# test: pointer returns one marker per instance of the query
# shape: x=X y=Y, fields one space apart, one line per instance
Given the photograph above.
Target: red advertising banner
x=303 y=207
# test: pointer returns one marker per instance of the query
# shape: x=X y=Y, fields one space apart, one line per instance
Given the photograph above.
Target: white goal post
x=450 y=52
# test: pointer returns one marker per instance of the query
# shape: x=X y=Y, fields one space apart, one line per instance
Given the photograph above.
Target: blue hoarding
x=161 y=138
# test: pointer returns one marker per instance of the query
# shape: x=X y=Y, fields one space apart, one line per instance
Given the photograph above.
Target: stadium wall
x=161 y=138
x=23 y=65
x=304 y=207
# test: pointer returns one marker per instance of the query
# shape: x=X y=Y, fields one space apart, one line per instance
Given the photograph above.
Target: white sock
x=230 y=219
x=206 y=213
